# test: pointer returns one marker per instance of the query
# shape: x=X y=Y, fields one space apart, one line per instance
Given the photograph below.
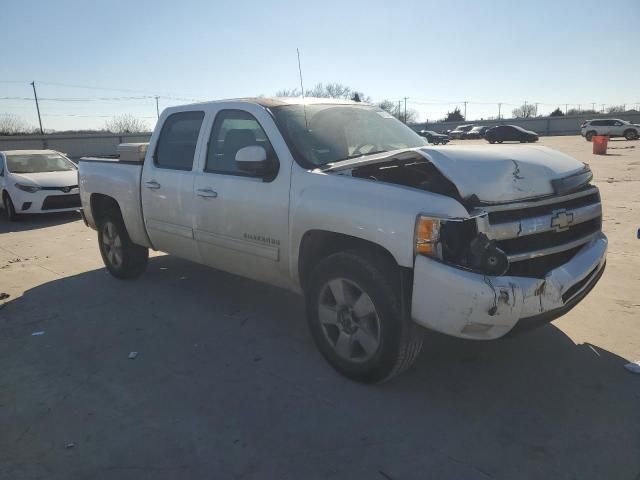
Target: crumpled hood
x=48 y=179
x=502 y=173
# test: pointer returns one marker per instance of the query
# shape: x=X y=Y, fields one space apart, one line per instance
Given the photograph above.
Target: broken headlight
x=458 y=242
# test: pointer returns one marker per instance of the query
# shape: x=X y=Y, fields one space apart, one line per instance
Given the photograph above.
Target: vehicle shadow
x=35 y=221
x=227 y=379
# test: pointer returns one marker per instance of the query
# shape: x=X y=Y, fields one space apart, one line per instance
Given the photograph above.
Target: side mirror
x=253 y=159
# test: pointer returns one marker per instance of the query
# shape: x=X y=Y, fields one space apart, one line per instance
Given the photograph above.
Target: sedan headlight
x=28 y=188
x=427 y=236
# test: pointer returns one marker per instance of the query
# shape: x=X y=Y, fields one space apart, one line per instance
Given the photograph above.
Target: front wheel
x=9 y=209
x=355 y=317
x=123 y=258
x=589 y=136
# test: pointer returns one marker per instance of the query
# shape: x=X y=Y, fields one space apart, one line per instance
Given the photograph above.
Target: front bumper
x=45 y=201
x=481 y=307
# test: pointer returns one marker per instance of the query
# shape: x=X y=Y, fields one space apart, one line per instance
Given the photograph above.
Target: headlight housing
x=28 y=188
x=427 y=236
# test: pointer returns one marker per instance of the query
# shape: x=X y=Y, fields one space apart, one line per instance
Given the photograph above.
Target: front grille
x=61 y=189
x=540 y=236
x=552 y=238
x=535 y=211
x=56 y=202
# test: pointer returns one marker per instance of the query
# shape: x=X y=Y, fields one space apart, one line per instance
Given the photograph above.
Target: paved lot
x=228 y=384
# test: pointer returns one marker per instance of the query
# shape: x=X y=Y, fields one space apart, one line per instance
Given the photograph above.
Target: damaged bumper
x=475 y=306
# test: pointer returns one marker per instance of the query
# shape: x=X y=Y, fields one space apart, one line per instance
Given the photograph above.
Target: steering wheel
x=357 y=150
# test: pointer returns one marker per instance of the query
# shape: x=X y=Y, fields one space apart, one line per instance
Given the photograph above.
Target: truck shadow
x=35 y=221
x=227 y=377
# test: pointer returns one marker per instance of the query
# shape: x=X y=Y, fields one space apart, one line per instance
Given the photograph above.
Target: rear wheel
x=631 y=134
x=589 y=135
x=356 y=319
x=123 y=258
x=500 y=141
x=9 y=209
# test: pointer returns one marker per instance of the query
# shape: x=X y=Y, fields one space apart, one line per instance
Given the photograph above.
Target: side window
x=177 y=143
x=608 y=123
x=617 y=123
x=233 y=130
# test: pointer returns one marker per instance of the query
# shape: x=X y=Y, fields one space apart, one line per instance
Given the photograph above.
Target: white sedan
x=37 y=181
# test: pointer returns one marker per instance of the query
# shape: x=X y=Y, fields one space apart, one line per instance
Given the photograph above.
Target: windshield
x=331 y=133
x=38 y=162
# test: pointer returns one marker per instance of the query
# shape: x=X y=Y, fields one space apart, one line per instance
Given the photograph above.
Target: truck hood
x=502 y=173
x=491 y=173
x=48 y=179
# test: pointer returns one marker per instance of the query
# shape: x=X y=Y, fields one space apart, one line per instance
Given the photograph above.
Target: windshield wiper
x=329 y=165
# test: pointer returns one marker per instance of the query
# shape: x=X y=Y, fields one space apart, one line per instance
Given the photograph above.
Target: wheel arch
x=318 y=244
x=101 y=204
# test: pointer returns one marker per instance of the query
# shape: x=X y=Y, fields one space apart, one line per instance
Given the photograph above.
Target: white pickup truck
x=381 y=232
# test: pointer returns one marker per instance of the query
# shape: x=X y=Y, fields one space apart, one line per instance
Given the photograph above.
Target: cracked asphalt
x=227 y=382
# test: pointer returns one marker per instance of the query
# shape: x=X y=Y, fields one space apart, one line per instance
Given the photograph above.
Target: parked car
x=37 y=181
x=476 y=132
x=434 y=137
x=510 y=133
x=341 y=202
x=613 y=127
x=459 y=131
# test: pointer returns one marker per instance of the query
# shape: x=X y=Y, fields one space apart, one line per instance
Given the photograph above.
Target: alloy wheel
x=349 y=320
x=112 y=244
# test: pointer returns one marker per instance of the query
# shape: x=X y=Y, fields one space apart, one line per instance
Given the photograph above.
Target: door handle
x=207 y=193
x=152 y=184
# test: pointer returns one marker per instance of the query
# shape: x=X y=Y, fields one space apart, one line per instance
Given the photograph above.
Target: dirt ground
x=224 y=388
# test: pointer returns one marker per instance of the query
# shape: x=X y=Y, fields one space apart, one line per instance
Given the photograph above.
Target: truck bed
x=119 y=180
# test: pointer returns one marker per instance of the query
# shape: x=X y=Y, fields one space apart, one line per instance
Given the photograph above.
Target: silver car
x=613 y=127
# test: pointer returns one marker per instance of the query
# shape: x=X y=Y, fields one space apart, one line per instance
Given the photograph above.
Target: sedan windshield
x=328 y=133
x=38 y=162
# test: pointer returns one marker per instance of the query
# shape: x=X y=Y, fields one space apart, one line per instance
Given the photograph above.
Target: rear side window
x=596 y=123
x=233 y=130
x=178 y=138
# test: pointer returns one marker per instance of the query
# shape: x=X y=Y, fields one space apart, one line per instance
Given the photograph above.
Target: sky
x=93 y=60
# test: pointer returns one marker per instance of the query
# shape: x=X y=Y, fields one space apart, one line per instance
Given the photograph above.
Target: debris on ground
x=69 y=445
x=4 y=296
x=633 y=367
x=132 y=355
x=37 y=334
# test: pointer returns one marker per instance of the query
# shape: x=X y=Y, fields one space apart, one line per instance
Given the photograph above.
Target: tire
x=9 y=209
x=500 y=141
x=631 y=134
x=123 y=258
x=368 y=347
x=589 y=135
x=491 y=141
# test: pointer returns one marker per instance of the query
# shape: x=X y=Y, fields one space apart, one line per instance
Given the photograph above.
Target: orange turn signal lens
x=427 y=236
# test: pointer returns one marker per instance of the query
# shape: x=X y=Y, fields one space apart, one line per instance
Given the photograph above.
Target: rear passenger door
x=167 y=185
x=617 y=128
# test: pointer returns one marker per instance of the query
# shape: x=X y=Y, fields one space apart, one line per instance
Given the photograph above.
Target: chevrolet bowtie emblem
x=66 y=189
x=561 y=220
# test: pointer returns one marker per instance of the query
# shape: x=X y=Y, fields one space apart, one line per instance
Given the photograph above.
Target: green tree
x=557 y=113
x=455 y=116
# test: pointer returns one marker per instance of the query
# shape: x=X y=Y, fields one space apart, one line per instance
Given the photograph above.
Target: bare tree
x=126 y=124
x=330 y=90
x=616 y=109
x=14 y=125
x=525 y=111
x=397 y=111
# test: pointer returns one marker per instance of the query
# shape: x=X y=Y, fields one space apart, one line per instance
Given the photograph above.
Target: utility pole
x=499 y=109
x=536 y=112
x=405 y=109
x=566 y=109
x=35 y=95
x=593 y=106
x=157 y=108
x=465 y=110
x=603 y=108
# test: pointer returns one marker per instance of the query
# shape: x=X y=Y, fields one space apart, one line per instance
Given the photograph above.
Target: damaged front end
x=530 y=248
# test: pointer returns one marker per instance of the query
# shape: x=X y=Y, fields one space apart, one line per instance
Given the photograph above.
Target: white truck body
x=534 y=201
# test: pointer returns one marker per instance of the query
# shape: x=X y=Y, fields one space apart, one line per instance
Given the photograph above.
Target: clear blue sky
x=548 y=51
